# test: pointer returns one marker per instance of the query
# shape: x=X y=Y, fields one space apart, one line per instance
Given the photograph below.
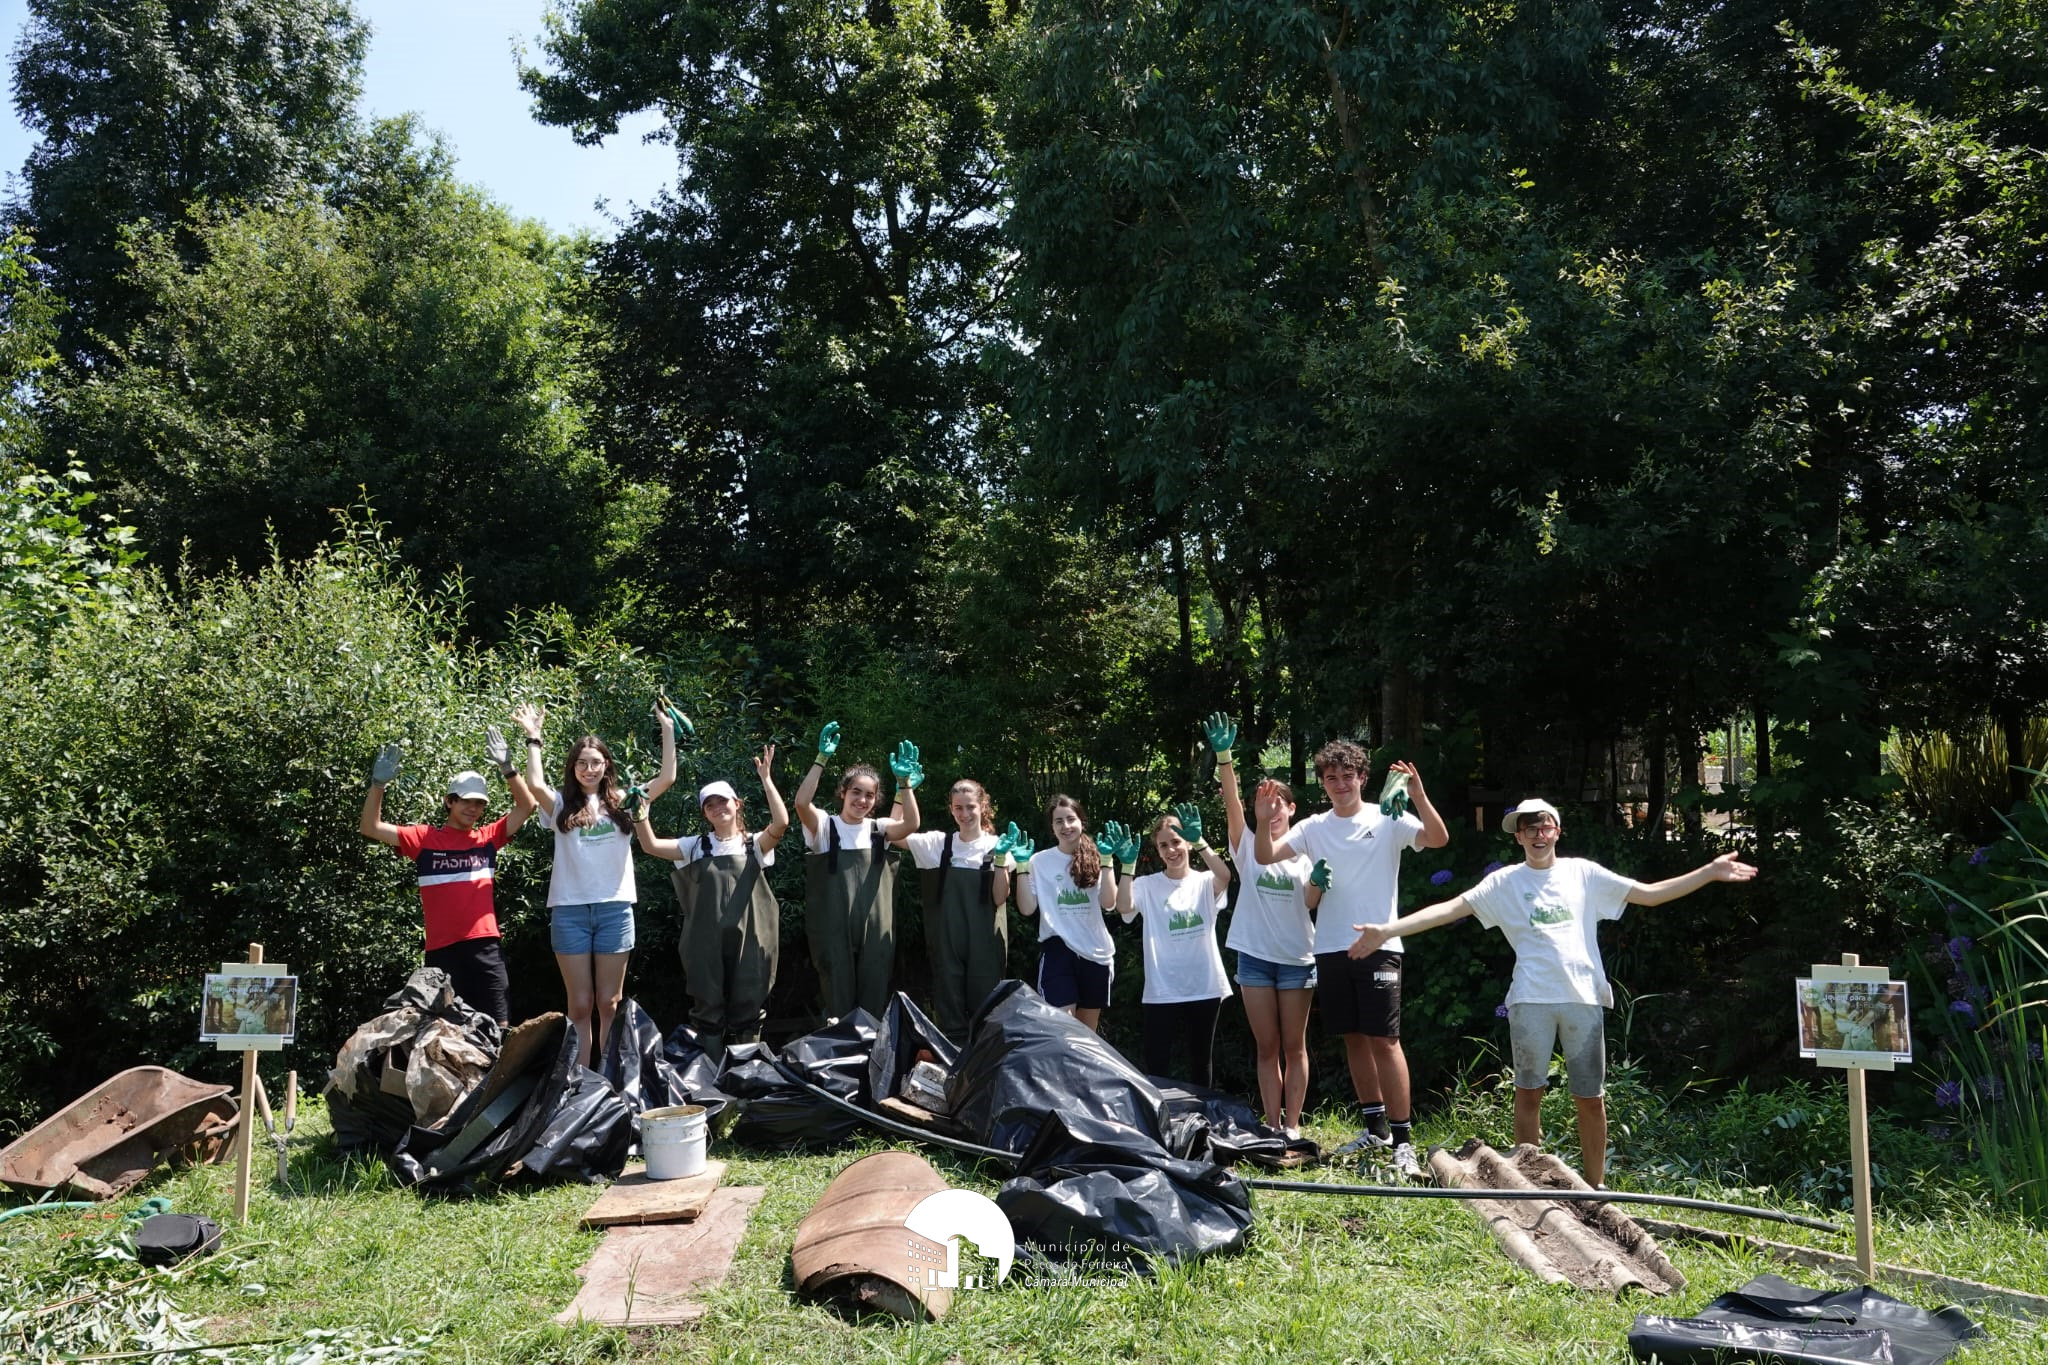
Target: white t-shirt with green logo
x=593 y=863
x=1552 y=919
x=1181 y=959
x=1272 y=920
x=1072 y=914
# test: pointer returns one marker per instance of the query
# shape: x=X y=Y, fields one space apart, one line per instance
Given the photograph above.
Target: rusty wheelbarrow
x=107 y=1141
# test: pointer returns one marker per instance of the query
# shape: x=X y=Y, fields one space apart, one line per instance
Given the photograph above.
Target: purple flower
x=1501 y=1012
x=1983 y=852
x=1491 y=868
x=1940 y=1132
x=1948 y=1094
x=1957 y=946
x=1442 y=878
x=1964 y=1008
x=1991 y=1088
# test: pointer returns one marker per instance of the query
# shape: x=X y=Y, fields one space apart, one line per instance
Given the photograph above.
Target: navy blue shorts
x=1070 y=981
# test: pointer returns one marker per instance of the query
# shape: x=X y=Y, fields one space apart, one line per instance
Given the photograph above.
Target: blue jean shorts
x=1280 y=976
x=600 y=927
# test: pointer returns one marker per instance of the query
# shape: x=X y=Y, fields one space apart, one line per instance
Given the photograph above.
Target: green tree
x=417 y=345
x=789 y=343
x=150 y=108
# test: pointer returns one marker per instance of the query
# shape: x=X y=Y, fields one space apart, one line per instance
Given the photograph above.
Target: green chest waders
x=850 y=919
x=969 y=939
x=731 y=942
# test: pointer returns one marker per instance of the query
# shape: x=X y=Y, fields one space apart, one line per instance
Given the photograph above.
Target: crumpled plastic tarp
x=1773 y=1319
x=1208 y=1125
x=1024 y=1059
x=905 y=1035
x=442 y=1046
x=1092 y=1190
x=776 y=1113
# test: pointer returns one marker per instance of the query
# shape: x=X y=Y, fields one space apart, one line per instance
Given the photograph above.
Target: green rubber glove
x=1118 y=844
x=1222 y=736
x=1394 y=802
x=636 y=797
x=384 y=768
x=1319 y=875
x=909 y=772
x=1190 y=816
x=1021 y=854
x=676 y=719
x=1007 y=840
x=828 y=741
x=498 y=751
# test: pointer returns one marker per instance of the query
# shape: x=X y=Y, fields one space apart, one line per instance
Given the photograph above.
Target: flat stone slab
x=649 y=1276
x=633 y=1198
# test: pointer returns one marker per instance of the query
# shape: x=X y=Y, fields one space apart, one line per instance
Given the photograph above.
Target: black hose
x=1670 y=1201
x=1318 y=1187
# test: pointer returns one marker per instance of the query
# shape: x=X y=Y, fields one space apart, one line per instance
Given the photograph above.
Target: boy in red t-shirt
x=457 y=862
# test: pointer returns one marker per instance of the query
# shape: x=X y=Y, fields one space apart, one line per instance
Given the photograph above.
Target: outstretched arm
x=523 y=804
x=383 y=769
x=1372 y=937
x=670 y=850
x=807 y=790
x=1725 y=868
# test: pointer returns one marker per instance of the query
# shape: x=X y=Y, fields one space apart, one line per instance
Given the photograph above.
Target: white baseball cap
x=468 y=784
x=1535 y=805
x=711 y=789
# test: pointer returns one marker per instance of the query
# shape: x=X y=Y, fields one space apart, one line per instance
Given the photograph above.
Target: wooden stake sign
x=248 y=1016
x=1854 y=1017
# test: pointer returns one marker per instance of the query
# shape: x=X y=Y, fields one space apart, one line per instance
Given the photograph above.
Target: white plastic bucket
x=673 y=1140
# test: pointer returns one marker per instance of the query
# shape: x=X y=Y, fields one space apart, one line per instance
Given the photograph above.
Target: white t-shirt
x=693 y=848
x=1181 y=960
x=1272 y=920
x=858 y=835
x=593 y=863
x=926 y=845
x=1364 y=854
x=1072 y=914
x=1552 y=919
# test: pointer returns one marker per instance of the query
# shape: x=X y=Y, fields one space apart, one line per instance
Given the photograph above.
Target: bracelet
x=533 y=741
x=1223 y=758
x=818 y=762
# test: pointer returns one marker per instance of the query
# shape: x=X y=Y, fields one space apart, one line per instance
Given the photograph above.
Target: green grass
x=1325 y=1278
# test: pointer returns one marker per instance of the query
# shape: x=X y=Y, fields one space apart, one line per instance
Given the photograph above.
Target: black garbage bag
x=1208 y=1125
x=1092 y=1190
x=691 y=1076
x=835 y=1057
x=1773 y=1319
x=587 y=1135
x=633 y=1060
x=905 y=1035
x=1025 y=1059
x=495 y=1126
x=368 y=1118
x=774 y=1111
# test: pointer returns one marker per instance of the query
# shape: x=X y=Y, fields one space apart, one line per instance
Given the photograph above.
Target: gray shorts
x=1535 y=1031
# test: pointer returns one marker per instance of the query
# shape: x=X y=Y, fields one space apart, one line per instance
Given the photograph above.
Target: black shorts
x=1360 y=995
x=1070 y=981
x=477 y=968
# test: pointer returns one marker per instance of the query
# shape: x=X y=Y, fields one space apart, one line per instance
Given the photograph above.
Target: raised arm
x=1118 y=845
x=778 y=814
x=1222 y=737
x=1265 y=802
x=807 y=790
x=1723 y=869
x=529 y=719
x=669 y=850
x=669 y=721
x=1371 y=937
x=1434 y=832
x=382 y=770
x=1020 y=878
x=909 y=772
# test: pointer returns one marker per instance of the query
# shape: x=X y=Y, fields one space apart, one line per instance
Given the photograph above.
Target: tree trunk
x=1297 y=760
x=1400 y=710
x=2012 y=724
x=1654 y=754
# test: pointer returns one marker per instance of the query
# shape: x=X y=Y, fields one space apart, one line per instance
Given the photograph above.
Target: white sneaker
x=1405 y=1162
x=1366 y=1141
x=1293 y=1134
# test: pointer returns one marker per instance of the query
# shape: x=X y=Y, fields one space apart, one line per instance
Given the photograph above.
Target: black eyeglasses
x=1537 y=827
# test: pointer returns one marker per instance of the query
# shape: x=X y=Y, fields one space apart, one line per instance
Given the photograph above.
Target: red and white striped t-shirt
x=457 y=870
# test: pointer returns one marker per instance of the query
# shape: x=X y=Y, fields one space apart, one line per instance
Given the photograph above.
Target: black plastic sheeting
x=776 y=1113
x=1773 y=1319
x=1093 y=1191
x=1025 y=1059
x=1208 y=1125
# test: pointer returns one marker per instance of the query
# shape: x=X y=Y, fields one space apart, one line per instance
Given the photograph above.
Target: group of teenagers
x=1316 y=920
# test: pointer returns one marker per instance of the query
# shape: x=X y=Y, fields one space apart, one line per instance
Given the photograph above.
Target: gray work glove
x=498 y=751
x=385 y=766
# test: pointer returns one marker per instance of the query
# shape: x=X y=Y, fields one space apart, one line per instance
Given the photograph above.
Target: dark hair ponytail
x=1087 y=868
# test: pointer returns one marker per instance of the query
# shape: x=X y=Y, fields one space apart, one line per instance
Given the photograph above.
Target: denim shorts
x=1280 y=976
x=602 y=927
